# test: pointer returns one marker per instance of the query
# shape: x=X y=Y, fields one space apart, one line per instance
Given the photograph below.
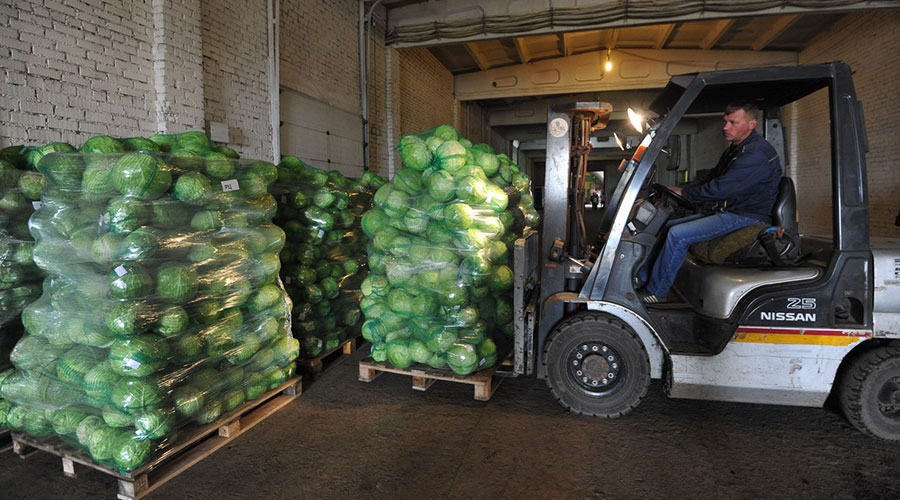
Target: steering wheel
x=664 y=191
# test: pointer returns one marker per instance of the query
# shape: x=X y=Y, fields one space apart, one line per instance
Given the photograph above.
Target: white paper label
x=121 y=271
x=230 y=185
x=321 y=233
x=37 y=204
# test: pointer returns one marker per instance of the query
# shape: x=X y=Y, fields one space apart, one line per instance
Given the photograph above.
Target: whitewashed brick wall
x=178 y=65
x=73 y=69
x=235 y=73
x=319 y=50
x=870 y=44
x=77 y=68
x=381 y=144
x=320 y=58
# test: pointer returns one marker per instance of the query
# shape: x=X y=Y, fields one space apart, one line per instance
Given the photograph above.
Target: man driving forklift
x=740 y=191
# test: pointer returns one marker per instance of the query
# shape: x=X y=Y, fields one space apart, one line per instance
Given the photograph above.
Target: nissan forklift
x=774 y=317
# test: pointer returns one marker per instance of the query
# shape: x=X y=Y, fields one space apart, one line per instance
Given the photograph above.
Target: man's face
x=736 y=126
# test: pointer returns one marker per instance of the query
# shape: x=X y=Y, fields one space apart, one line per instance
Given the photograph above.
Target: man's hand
x=676 y=190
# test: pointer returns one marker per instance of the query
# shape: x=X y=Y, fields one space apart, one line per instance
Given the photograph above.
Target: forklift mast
x=569 y=128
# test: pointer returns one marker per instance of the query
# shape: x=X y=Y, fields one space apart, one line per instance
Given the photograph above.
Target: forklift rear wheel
x=870 y=393
x=596 y=365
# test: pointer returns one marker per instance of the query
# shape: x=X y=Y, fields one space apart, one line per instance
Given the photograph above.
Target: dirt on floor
x=347 y=439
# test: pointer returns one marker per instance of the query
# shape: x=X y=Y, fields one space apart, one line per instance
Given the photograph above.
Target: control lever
x=582 y=265
x=558 y=253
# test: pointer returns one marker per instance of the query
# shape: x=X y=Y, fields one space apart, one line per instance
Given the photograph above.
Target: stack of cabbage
x=324 y=259
x=20 y=279
x=20 y=194
x=162 y=303
x=442 y=235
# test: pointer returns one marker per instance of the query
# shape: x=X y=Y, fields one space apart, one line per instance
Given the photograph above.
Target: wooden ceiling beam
x=522 y=49
x=479 y=57
x=719 y=29
x=567 y=44
x=665 y=31
x=780 y=24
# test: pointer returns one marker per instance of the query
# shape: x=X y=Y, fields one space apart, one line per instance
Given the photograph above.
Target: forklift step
x=690 y=348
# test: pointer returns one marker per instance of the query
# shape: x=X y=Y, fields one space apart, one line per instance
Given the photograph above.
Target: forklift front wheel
x=870 y=393
x=596 y=365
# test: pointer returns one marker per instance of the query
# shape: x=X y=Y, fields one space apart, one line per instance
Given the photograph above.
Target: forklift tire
x=870 y=393
x=596 y=365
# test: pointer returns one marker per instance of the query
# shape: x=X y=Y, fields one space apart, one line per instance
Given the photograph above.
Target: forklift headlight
x=637 y=121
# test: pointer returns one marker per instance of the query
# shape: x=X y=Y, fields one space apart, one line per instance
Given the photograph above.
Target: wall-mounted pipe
x=365 y=23
x=272 y=21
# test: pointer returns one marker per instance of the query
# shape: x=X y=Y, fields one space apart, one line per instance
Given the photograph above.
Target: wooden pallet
x=423 y=376
x=192 y=445
x=313 y=368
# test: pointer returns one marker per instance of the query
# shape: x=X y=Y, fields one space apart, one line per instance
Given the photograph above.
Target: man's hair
x=751 y=109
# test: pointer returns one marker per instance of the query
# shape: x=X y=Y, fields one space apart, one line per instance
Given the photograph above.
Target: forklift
x=786 y=319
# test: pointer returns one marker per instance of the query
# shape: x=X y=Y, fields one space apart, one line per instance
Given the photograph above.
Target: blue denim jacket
x=744 y=182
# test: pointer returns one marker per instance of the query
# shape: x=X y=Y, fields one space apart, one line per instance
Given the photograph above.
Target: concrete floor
x=347 y=439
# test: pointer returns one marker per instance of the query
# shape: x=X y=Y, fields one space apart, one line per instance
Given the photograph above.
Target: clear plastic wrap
x=162 y=304
x=324 y=260
x=20 y=280
x=20 y=194
x=442 y=233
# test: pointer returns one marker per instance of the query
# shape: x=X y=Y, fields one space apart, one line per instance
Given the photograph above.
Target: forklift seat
x=759 y=245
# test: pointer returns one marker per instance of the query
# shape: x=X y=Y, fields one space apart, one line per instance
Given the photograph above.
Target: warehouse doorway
x=320 y=134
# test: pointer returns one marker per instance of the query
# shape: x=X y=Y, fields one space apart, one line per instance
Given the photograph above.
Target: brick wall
x=319 y=50
x=319 y=44
x=73 y=69
x=426 y=92
x=178 y=65
x=870 y=44
x=409 y=90
x=77 y=68
x=381 y=138
x=235 y=73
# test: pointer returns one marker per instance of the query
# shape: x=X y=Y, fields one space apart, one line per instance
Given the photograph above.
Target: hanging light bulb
x=608 y=65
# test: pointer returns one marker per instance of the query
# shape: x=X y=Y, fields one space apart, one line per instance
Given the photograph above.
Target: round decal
x=558 y=127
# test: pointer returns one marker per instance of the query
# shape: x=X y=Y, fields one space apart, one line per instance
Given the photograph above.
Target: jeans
x=683 y=233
